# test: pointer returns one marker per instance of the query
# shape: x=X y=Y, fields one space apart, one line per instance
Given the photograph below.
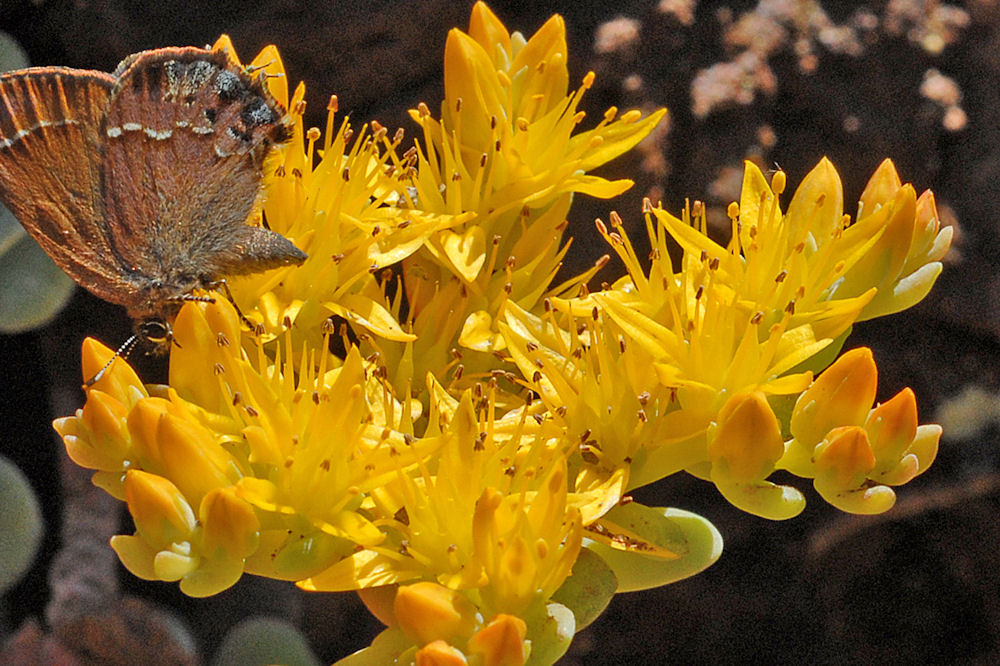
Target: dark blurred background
x=776 y=81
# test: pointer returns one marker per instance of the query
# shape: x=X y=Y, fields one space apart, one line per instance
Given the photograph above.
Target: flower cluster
x=464 y=464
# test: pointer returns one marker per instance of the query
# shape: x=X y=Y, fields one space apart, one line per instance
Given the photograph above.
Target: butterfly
x=139 y=183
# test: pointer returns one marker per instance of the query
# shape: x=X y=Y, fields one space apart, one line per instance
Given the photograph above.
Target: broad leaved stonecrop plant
x=465 y=465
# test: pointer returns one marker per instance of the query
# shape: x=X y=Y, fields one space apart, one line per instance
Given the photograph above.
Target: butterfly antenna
x=253 y=69
x=122 y=352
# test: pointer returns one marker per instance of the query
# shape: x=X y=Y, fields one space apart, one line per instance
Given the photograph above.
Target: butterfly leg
x=257 y=329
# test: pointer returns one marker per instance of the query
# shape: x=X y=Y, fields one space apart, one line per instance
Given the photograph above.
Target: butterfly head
x=156 y=335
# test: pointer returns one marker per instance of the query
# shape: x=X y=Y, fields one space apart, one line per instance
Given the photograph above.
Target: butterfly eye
x=154 y=331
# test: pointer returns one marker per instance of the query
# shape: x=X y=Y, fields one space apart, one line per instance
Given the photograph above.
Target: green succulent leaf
x=262 y=640
x=32 y=289
x=550 y=635
x=636 y=570
x=589 y=589
x=12 y=56
x=21 y=525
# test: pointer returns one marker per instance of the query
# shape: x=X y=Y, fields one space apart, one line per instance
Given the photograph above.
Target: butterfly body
x=139 y=183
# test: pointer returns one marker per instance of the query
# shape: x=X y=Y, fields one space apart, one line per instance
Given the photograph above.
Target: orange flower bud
x=428 y=611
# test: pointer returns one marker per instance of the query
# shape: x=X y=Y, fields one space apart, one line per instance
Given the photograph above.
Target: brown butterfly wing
x=50 y=169
x=187 y=133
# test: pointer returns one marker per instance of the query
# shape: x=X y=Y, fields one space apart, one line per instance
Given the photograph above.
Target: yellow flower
x=628 y=423
x=740 y=317
x=751 y=315
x=905 y=260
x=743 y=448
x=487 y=527
x=340 y=210
x=593 y=391
x=203 y=549
x=527 y=544
x=693 y=352
x=854 y=452
x=505 y=153
x=491 y=514
x=97 y=436
x=154 y=454
x=258 y=431
x=340 y=213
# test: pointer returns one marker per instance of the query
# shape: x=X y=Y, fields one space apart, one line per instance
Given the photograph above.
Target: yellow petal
x=269 y=62
x=439 y=653
x=618 y=138
x=747 y=439
x=760 y=498
x=352 y=525
x=171 y=565
x=881 y=189
x=756 y=192
x=842 y=395
x=600 y=188
x=486 y=28
x=136 y=555
x=844 y=459
x=892 y=426
x=428 y=611
x=539 y=68
x=161 y=514
x=370 y=314
x=477 y=333
x=465 y=251
x=501 y=642
x=818 y=204
x=230 y=524
x=225 y=43
x=925 y=445
x=470 y=76
x=366 y=568
x=106 y=443
x=119 y=380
